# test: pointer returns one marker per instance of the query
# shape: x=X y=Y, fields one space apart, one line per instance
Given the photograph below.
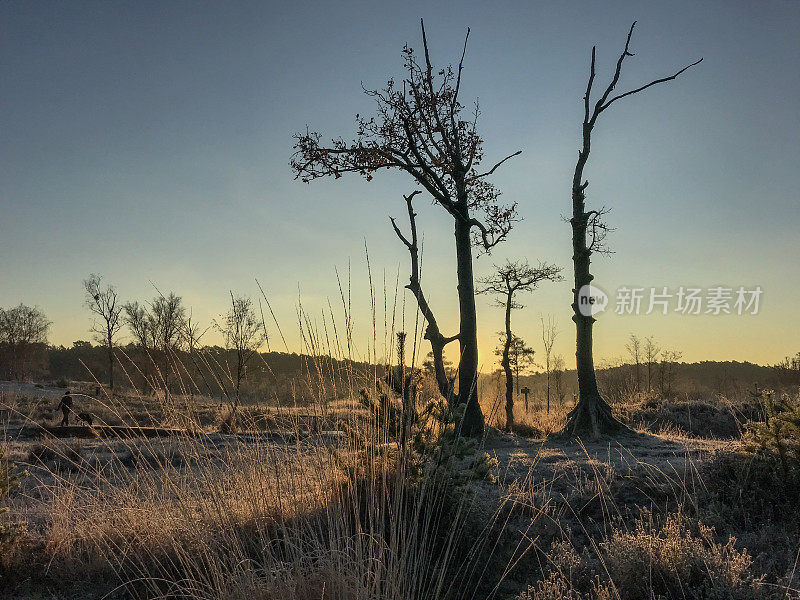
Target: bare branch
x=652 y=83
x=494 y=168
x=588 y=95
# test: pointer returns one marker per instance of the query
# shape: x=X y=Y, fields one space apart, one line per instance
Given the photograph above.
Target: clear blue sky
x=149 y=142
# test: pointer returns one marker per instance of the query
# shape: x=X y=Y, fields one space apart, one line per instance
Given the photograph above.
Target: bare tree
x=158 y=330
x=137 y=319
x=651 y=352
x=634 y=348
x=167 y=318
x=102 y=301
x=23 y=331
x=421 y=130
x=549 y=334
x=244 y=333
x=432 y=332
x=192 y=334
x=507 y=280
x=558 y=378
x=666 y=371
x=592 y=414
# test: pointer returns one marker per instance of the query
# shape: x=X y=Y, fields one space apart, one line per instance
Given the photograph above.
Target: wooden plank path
x=130 y=432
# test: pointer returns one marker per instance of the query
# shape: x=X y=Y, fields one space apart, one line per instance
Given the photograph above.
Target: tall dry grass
x=247 y=514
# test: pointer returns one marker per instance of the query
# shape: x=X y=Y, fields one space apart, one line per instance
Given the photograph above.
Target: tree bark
x=110 y=365
x=473 y=422
x=506 y=364
x=547 y=410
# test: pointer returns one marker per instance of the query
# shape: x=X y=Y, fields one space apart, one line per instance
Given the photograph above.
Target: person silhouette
x=66 y=407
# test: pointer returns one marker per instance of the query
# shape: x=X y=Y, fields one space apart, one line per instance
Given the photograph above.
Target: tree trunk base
x=592 y=417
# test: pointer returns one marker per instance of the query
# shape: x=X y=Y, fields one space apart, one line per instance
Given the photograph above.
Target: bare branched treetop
x=22 y=325
x=159 y=326
x=102 y=301
x=517 y=276
x=421 y=127
x=240 y=326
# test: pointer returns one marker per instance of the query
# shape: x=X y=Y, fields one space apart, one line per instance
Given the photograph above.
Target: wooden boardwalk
x=135 y=431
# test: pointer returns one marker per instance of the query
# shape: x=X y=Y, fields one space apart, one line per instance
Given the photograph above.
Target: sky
x=149 y=142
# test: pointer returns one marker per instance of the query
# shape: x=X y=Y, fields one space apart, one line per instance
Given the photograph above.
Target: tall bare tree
x=23 y=333
x=422 y=130
x=592 y=414
x=507 y=280
x=549 y=334
x=102 y=301
x=244 y=333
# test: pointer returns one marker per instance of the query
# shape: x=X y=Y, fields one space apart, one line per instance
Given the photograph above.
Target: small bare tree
x=422 y=130
x=433 y=334
x=158 y=331
x=23 y=332
x=243 y=332
x=506 y=281
x=192 y=334
x=559 y=385
x=549 y=334
x=102 y=302
x=667 y=370
x=651 y=353
x=592 y=414
x=634 y=348
x=136 y=317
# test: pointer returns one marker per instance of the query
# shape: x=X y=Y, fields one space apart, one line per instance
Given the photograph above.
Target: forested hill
x=730 y=378
x=84 y=361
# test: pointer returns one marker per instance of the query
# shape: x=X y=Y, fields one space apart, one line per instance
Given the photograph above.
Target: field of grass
x=275 y=509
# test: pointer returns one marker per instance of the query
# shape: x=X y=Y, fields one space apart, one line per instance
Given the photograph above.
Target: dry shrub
x=10 y=529
x=673 y=561
x=750 y=495
x=700 y=418
x=56 y=453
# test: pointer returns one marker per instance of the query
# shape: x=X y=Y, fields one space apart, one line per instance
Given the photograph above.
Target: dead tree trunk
x=432 y=332
x=506 y=364
x=592 y=414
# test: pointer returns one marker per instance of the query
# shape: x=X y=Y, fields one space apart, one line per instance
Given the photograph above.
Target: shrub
x=697 y=417
x=68 y=455
x=673 y=561
x=9 y=479
x=779 y=434
x=227 y=421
